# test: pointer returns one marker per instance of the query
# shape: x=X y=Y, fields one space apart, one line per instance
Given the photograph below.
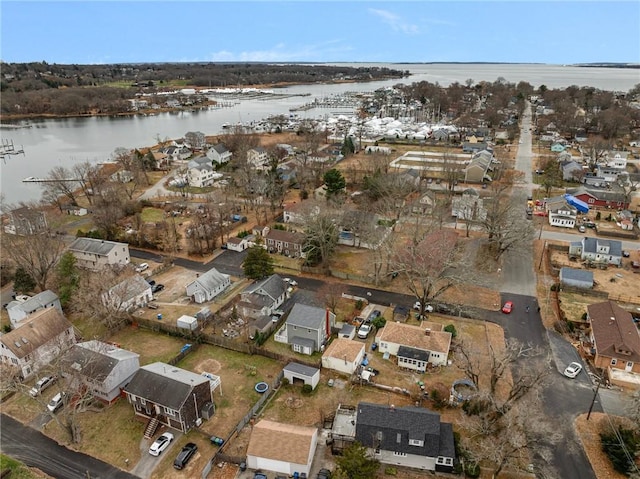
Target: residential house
x=282 y=448
x=558 y=147
x=471 y=147
x=424 y=204
x=263 y=297
x=501 y=135
x=132 y=293
x=163 y=161
x=42 y=338
x=415 y=346
x=343 y=355
x=177 y=153
x=239 y=244
x=597 y=250
x=19 y=311
x=382 y=150
x=576 y=278
x=195 y=139
x=361 y=229
x=208 y=285
x=287 y=171
x=571 y=170
x=103 y=368
x=73 y=210
x=610 y=172
x=200 y=173
x=287 y=243
x=169 y=395
x=440 y=135
x=616 y=343
x=219 y=154
x=564 y=216
x=307 y=328
x=468 y=206
x=26 y=221
x=479 y=167
x=406 y=436
x=96 y=253
x=258 y=158
x=601 y=198
x=298 y=213
x=122 y=176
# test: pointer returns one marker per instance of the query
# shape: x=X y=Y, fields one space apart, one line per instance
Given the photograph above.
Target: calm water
x=50 y=143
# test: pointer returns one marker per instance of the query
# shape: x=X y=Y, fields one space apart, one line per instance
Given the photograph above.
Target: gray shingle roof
x=576 y=274
x=306 y=316
x=392 y=428
x=590 y=245
x=39 y=301
x=130 y=288
x=94 y=246
x=94 y=359
x=164 y=384
x=301 y=369
x=411 y=353
x=210 y=280
x=273 y=287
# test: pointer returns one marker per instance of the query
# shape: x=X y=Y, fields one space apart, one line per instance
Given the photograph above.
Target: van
x=56 y=402
x=142 y=267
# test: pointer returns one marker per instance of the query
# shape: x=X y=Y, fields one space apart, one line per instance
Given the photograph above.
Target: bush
x=472 y=469
x=359 y=305
x=620 y=446
x=450 y=328
x=379 y=322
x=598 y=216
x=285 y=381
x=307 y=389
x=390 y=471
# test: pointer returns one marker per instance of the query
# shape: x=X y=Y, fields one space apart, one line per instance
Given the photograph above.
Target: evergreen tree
x=355 y=464
x=258 y=264
x=22 y=281
x=68 y=278
x=334 y=182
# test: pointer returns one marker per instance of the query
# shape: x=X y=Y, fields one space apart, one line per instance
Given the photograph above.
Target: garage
x=299 y=373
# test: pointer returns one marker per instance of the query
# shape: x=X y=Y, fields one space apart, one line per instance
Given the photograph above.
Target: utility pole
x=544 y=247
x=594 y=398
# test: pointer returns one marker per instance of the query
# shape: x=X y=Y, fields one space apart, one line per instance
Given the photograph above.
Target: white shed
x=343 y=355
x=299 y=372
x=187 y=322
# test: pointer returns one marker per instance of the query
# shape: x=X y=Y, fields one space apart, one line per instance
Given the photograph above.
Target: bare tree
x=61 y=183
x=90 y=178
x=330 y=294
x=108 y=209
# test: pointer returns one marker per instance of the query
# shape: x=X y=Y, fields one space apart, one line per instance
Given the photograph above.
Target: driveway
x=147 y=463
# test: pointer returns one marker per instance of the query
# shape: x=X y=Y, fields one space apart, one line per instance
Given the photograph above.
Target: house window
x=614 y=361
x=143 y=402
x=400 y=454
x=168 y=411
x=398 y=438
x=416 y=442
x=377 y=451
x=297 y=348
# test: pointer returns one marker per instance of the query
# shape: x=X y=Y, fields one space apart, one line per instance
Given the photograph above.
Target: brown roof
x=281 y=442
x=41 y=327
x=346 y=349
x=286 y=236
x=415 y=337
x=234 y=240
x=615 y=335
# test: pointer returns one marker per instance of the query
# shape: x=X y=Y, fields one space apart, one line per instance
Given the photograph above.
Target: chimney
x=427 y=332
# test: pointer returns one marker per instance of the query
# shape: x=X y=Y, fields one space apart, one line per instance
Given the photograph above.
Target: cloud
x=396 y=23
x=282 y=53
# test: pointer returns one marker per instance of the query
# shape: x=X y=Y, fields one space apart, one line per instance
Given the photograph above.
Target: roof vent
x=17 y=343
x=24 y=340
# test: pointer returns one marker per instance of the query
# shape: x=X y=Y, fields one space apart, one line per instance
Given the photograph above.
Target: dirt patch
x=589 y=434
x=208 y=366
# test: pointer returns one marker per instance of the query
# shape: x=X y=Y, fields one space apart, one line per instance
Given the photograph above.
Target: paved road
x=37 y=450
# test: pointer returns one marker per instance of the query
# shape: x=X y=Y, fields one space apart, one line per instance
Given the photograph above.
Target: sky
x=89 y=32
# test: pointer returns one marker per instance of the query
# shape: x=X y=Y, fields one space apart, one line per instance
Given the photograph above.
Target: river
x=64 y=142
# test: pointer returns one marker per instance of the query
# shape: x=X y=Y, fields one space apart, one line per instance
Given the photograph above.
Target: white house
x=96 y=253
x=597 y=250
x=343 y=355
x=19 y=311
x=469 y=206
x=219 y=154
x=263 y=297
x=42 y=338
x=237 y=244
x=103 y=368
x=415 y=346
x=200 y=173
x=208 y=285
x=282 y=448
x=132 y=293
x=258 y=158
x=564 y=216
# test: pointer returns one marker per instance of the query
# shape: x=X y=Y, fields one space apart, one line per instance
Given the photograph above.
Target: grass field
x=12 y=469
x=152 y=215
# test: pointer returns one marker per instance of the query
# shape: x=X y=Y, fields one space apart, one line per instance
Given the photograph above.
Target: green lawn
x=152 y=215
x=18 y=470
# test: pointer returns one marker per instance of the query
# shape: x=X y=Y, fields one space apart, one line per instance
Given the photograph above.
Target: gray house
x=103 y=368
x=578 y=278
x=307 y=328
x=597 y=250
x=169 y=395
x=208 y=286
x=20 y=311
x=219 y=153
x=263 y=297
x=406 y=436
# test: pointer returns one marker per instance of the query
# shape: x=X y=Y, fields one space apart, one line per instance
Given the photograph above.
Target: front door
x=629 y=366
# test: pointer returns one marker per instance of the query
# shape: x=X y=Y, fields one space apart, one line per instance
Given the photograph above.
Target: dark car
x=324 y=474
x=151 y=282
x=373 y=315
x=157 y=288
x=183 y=457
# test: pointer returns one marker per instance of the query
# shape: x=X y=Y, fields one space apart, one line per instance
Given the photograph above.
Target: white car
x=573 y=370
x=41 y=385
x=56 y=402
x=142 y=267
x=364 y=331
x=161 y=443
x=418 y=306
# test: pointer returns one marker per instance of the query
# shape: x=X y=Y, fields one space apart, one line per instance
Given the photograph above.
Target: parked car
x=157 y=288
x=582 y=229
x=418 y=306
x=626 y=254
x=142 y=267
x=56 y=402
x=373 y=315
x=364 y=331
x=508 y=307
x=161 y=443
x=573 y=370
x=324 y=474
x=184 y=455
x=151 y=282
x=41 y=385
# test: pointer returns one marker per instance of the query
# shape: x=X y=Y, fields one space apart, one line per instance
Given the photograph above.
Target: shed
x=578 y=278
x=187 y=322
x=348 y=331
x=300 y=372
x=343 y=355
